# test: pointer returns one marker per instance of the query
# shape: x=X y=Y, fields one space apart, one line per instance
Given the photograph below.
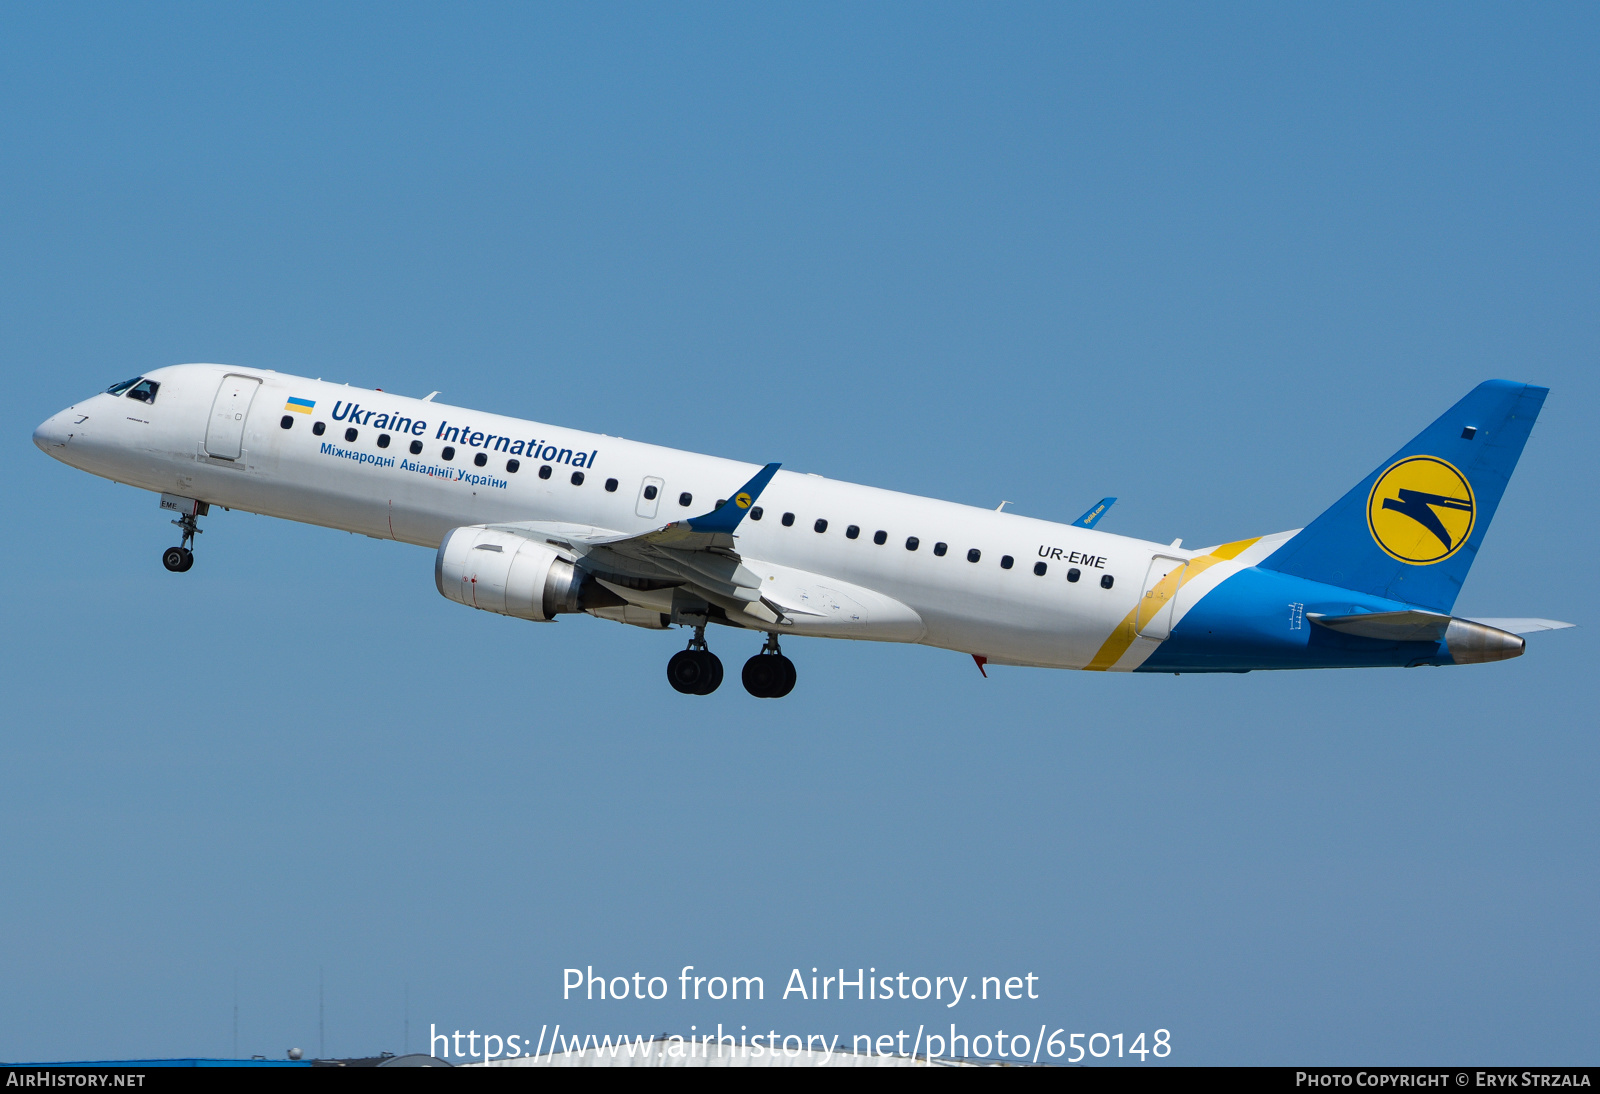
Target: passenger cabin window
x=513 y=466
x=940 y=548
x=1039 y=568
x=577 y=478
x=755 y=514
x=480 y=459
x=287 y=421
x=974 y=555
x=544 y=471
x=1107 y=581
x=416 y=448
x=686 y=498
x=118 y=389
x=852 y=532
x=1006 y=562
x=820 y=526
x=788 y=519
x=350 y=434
x=1074 y=574
x=144 y=391
x=649 y=491
x=912 y=543
x=611 y=486
x=880 y=537
x=383 y=440
x=319 y=428
x=447 y=453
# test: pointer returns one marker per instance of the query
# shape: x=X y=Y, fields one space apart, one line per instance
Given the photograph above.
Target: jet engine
x=510 y=574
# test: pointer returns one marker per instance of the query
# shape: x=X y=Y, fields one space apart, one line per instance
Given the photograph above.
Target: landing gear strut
x=696 y=670
x=179 y=559
x=769 y=674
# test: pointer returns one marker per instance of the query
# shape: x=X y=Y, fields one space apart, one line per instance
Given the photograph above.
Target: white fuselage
x=1006 y=614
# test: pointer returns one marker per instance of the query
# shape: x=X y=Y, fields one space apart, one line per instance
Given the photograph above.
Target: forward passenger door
x=225 y=430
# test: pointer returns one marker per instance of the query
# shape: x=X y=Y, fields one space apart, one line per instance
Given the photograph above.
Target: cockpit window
x=118 y=389
x=145 y=391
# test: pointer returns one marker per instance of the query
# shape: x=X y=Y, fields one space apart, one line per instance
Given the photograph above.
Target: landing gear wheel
x=180 y=559
x=769 y=674
x=763 y=676
x=713 y=673
x=684 y=671
x=694 y=672
x=177 y=559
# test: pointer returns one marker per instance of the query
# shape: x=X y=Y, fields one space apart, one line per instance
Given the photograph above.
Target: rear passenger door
x=1161 y=581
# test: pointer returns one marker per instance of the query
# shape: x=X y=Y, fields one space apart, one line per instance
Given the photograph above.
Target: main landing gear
x=769 y=674
x=696 y=670
x=180 y=559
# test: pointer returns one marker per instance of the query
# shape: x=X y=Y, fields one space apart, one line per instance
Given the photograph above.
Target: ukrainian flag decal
x=300 y=406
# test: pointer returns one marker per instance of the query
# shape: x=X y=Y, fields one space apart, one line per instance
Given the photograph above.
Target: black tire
x=685 y=672
x=188 y=560
x=177 y=559
x=713 y=677
x=762 y=676
x=789 y=677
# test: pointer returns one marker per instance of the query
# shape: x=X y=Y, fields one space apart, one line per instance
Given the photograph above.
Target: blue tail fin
x=1096 y=511
x=1411 y=529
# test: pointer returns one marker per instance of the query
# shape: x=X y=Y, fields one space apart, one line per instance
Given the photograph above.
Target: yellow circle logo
x=742 y=501
x=1421 y=510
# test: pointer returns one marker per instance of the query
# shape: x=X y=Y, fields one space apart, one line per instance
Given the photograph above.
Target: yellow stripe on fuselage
x=1125 y=632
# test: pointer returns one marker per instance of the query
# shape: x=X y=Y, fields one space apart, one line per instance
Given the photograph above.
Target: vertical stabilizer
x=1410 y=530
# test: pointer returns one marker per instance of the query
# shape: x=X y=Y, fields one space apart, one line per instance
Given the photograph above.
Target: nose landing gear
x=769 y=674
x=696 y=670
x=180 y=559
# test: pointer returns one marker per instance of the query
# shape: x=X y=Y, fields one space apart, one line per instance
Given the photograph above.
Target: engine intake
x=506 y=573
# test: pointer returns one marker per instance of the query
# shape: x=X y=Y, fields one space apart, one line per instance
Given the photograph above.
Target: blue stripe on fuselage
x=1256 y=620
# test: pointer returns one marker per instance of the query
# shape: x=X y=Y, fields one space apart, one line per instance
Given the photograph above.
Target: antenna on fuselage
x=430 y=396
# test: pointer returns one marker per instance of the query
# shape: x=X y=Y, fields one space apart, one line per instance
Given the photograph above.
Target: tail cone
x=1474 y=643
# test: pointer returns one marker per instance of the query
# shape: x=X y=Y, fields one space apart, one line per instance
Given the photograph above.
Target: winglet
x=727 y=516
x=1092 y=517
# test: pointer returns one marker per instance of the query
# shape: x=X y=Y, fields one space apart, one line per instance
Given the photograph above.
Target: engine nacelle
x=506 y=573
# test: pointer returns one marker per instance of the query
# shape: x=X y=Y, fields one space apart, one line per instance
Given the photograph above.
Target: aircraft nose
x=51 y=434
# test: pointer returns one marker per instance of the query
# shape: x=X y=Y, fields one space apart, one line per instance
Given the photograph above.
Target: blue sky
x=1217 y=262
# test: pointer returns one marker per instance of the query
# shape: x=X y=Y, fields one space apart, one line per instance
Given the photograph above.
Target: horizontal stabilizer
x=1096 y=511
x=1423 y=626
x=1525 y=626
x=1388 y=626
x=1468 y=641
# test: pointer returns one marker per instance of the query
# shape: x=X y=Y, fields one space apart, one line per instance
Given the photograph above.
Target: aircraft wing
x=698 y=553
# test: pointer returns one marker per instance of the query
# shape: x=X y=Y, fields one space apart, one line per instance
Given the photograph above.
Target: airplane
x=537 y=521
